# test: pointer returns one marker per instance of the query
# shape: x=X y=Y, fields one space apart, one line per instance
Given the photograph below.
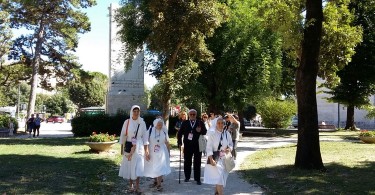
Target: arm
x=145 y=137
x=230 y=143
x=203 y=130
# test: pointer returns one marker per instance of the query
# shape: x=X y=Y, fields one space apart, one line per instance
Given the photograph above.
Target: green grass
x=56 y=166
x=351 y=170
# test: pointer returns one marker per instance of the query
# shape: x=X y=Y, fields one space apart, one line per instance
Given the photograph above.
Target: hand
x=148 y=158
x=130 y=156
x=213 y=162
x=227 y=150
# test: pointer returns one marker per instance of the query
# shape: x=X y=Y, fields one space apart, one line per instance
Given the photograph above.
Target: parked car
x=295 y=121
x=55 y=119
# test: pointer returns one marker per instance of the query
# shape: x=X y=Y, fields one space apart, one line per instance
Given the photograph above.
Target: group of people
x=33 y=125
x=146 y=153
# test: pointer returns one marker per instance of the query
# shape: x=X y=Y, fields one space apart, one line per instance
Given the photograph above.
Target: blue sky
x=93 y=46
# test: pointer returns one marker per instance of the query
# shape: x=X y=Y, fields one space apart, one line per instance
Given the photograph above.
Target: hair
x=136 y=108
x=204 y=114
x=182 y=113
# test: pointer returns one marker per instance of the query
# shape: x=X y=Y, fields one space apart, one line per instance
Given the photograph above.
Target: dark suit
x=191 y=147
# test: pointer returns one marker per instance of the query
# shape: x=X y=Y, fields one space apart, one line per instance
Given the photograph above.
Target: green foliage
x=366 y=133
x=88 y=89
x=276 y=113
x=5 y=119
x=358 y=77
x=57 y=104
x=101 y=137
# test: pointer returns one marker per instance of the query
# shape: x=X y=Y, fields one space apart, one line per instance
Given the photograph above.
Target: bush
x=84 y=125
x=4 y=121
x=277 y=113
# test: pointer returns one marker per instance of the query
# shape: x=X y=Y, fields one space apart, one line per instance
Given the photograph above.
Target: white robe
x=135 y=167
x=217 y=175
x=159 y=163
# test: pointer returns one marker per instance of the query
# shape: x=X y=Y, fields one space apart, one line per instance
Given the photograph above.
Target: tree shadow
x=66 y=141
x=338 y=179
x=37 y=174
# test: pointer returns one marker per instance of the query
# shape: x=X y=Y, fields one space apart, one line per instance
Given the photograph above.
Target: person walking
x=37 y=122
x=191 y=130
x=219 y=144
x=181 y=118
x=234 y=130
x=159 y=163
x=30 y=124
x=134 y=149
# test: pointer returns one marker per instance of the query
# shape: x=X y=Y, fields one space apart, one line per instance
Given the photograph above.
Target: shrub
x=277 y=113
x=4 y=121
x=84 y=125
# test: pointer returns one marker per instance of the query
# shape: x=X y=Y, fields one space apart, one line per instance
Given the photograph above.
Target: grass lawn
x=351 y=170
x=58 y=166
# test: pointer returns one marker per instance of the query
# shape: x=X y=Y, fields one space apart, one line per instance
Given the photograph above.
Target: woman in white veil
x=159 y=163
x=220 y=142
x=134 y=132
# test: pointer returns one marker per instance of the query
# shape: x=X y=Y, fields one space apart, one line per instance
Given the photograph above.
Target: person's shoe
x=186 y=180
x=199 y=183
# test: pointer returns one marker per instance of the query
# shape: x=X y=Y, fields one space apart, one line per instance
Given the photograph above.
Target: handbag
x=229 y=162
x=128 y=145
x=202 y=143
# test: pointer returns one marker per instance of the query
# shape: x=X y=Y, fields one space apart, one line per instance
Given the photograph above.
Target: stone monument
x=125 y=88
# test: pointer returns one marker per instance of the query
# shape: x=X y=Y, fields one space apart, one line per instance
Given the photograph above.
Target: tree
x=308 y=149
x=174 y=32
x=53 y=27
x=246 y=54
x=88 y=89
x=58 y=104
x=357 y=79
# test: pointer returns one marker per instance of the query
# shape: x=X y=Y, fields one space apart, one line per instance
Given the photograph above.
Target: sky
x=93 y=46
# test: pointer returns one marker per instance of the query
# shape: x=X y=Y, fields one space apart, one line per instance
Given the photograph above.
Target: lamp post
x=338 y=115
x=18 y=101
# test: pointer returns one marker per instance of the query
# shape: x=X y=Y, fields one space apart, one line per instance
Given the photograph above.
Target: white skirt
x=135 y=167
x=215 y=175
x=159 y=163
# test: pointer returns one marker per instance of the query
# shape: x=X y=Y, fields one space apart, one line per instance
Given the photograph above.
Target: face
x=219 y=124
x=183 y=116
x=159 y=125
x=204 y=117
x=192 y=115
x=32 y=116
x=212 y=115
x=136 y=113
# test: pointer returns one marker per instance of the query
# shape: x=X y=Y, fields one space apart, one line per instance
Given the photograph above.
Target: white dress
x=135 y=167
x=217 y=175
x=159 y=163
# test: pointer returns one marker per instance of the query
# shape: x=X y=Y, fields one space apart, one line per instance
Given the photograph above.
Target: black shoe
x=199 y=183
x=186 y=180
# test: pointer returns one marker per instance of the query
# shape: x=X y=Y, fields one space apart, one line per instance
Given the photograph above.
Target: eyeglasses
x=192 y=114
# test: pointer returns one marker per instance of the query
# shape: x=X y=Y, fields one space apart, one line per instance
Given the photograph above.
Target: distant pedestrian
x=134 y=146
x=181 y=118
x=234 y=130
x=37 y=122
x=219 y=144
x=30 y=124
x=159 y=163
x=11 y=127
x=191 y=130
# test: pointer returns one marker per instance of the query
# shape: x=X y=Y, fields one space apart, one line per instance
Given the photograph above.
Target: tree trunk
x=308 y=149
x=350 y=118
x=35 y=64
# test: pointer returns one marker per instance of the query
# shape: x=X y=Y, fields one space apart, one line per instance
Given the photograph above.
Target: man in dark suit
x=191 y=130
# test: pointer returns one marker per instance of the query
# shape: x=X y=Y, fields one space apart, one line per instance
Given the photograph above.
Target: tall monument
x=125 y=88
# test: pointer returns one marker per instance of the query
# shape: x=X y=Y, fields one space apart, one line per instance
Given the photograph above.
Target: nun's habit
x=159 y=163
x=135 y=167
x=217 y=175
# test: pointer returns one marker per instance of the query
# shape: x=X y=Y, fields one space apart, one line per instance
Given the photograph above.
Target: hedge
x=86 y=124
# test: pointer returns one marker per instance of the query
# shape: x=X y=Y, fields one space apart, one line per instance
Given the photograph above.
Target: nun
x=219 y=143
x=159 y=163
x=134 y=149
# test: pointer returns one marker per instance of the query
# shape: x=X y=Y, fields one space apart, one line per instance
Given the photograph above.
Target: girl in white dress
x=159 y=163
x=218 y=140
x=132 y=165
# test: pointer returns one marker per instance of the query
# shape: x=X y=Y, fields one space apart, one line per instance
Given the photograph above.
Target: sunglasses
x=192 y=114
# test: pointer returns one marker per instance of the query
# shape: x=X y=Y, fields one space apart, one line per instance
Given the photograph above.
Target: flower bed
x=101 y=142
x=367 y=136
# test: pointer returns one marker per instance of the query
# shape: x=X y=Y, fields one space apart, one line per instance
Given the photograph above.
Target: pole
x=338 y=115
x=179 y=169
x=18 y=101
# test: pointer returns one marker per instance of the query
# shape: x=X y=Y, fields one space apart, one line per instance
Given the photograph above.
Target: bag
x=128 y=147
x=229 y=162
x=215 y=157
x=202 y=143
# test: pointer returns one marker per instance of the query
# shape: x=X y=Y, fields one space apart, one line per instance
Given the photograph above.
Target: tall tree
x=357 y=79
x=53 y=27
x=308 y=149
x=88 y=89
x=174 y=32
